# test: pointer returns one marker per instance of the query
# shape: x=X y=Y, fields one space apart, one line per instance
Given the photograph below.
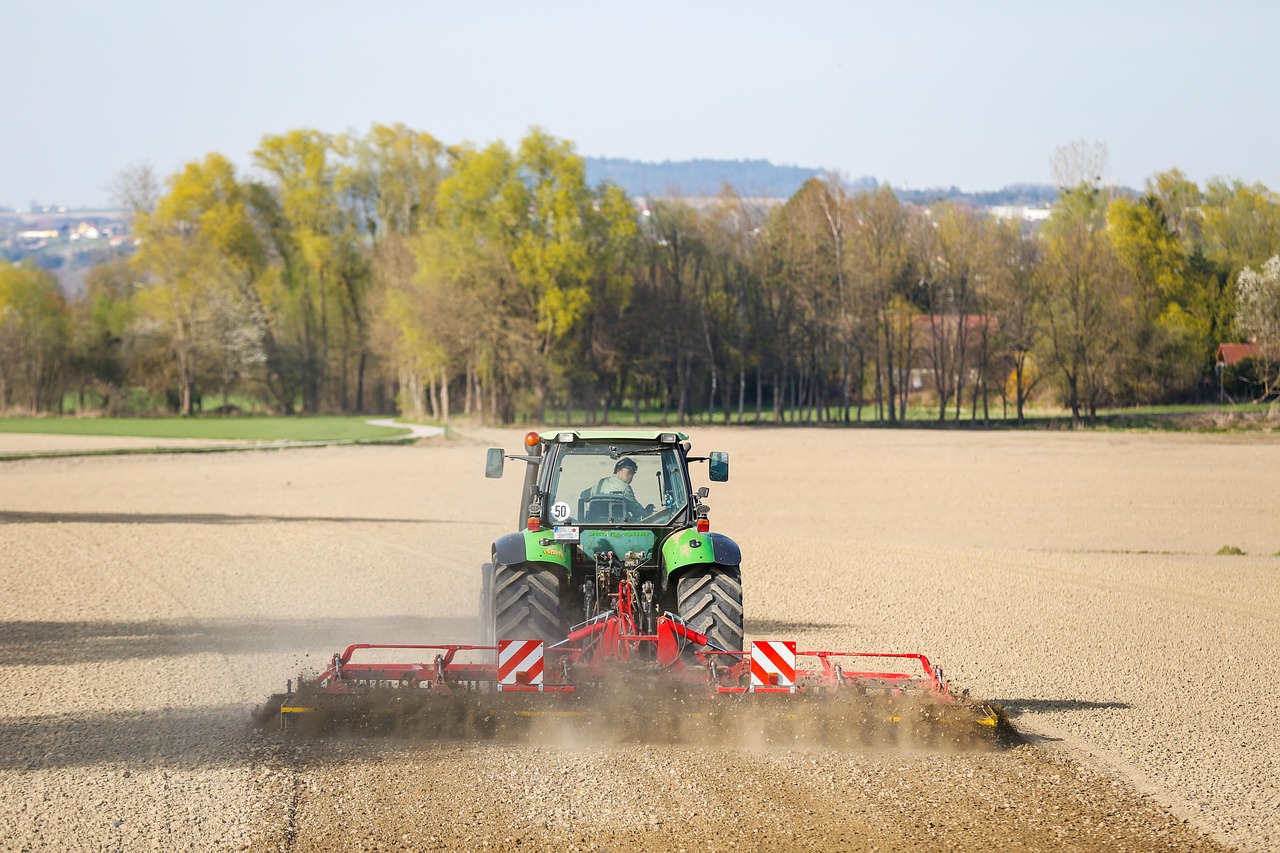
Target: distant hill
x=762 y=179
x=1028 y=195
x=701 y=178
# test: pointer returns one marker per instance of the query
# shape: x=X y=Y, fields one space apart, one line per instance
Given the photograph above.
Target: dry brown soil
x=148 y=602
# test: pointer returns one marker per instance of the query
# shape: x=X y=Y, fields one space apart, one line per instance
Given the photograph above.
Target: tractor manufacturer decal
x=541 y=546
x=621 y=542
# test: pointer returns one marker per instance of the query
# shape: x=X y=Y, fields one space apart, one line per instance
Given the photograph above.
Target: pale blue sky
x=923 y=94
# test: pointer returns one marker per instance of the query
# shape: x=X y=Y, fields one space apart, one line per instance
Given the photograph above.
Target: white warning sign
x=560 y=511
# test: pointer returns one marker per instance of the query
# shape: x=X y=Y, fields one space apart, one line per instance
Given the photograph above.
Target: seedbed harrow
x=609 y=681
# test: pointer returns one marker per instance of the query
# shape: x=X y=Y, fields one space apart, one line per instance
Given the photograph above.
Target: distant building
x=1230 y=354
x=925 y=328
x=1020 y=212
x=85 y=231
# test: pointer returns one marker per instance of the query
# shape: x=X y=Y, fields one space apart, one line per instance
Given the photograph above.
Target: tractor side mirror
x=718 y=463
x=703 y=491
x=493 y=462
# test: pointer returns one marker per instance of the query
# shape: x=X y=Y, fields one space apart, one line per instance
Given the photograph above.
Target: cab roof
x=553 y=436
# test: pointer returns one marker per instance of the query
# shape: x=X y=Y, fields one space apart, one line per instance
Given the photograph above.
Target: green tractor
x=600 y=511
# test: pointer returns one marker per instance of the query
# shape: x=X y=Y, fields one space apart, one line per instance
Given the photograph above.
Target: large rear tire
x=709 y=599
x=526 y=604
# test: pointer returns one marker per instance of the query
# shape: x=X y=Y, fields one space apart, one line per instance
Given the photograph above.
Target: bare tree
x=1079 y=164
x=136 y=188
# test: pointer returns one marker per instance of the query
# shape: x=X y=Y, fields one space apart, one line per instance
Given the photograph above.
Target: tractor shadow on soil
x=41 y=643
x=1017 y=707
x=782 y=627
x=172 y=738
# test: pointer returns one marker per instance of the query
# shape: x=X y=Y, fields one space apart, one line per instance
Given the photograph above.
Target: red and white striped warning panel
x=520 y=664
x=773 y=666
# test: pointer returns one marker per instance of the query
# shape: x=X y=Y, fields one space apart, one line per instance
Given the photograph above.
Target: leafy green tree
x=1084 y=307
x=34 y=337
x=1241 y=223
x=199 y=254
x=469 y=253
x=1168 y=349
x=550 y=254
x=306 y=231
x=387 y=185
x=100 y=324
x=593 y=355
x=390 y=178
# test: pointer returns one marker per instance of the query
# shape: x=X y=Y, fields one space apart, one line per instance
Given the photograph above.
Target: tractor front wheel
x=526 y=604
x=709 y=599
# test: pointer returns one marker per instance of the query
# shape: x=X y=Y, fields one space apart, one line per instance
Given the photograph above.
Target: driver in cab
x=620 y=484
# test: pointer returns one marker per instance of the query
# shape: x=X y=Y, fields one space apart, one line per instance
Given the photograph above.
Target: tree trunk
x=444 y=394
x=360 y=366
x=466 y=397
x=742 y=390
x=779 y=390
x=862 y=372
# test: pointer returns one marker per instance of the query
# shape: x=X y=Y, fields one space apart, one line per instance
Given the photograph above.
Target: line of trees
x=358 y=273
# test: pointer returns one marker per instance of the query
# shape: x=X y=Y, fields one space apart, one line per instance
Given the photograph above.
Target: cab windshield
x=591 y=484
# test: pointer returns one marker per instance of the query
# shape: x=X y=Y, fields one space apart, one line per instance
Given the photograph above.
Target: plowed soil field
x=147 y=603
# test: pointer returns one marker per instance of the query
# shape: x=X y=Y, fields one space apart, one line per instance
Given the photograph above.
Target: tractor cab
x=603 y=482
x=580 y=478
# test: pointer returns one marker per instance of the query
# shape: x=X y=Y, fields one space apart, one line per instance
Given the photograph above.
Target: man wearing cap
x=620 y=484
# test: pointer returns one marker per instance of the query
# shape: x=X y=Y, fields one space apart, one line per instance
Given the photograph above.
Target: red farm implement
x=610 y=679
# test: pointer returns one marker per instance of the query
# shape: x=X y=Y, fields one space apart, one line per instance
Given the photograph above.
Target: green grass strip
x=253 y=428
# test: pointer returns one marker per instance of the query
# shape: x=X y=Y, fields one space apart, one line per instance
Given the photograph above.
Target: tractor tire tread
x=526 y=604
x=709 y=599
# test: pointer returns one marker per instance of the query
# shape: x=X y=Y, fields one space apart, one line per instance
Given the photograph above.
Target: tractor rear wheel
x=526 y=604
x=709 y=599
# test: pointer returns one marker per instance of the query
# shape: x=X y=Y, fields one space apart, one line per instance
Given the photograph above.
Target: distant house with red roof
x=944 y=330
x=1230 y=354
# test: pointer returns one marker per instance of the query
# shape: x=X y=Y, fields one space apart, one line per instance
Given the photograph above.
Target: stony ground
x=147 y=603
